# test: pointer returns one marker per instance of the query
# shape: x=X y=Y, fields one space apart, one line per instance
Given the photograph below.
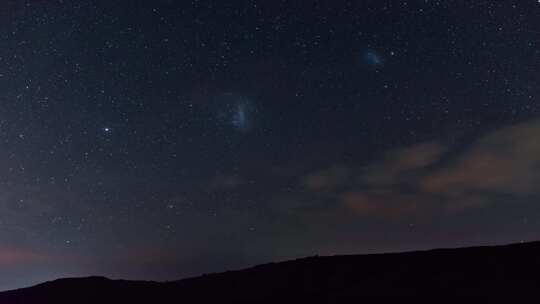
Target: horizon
x=246 y=267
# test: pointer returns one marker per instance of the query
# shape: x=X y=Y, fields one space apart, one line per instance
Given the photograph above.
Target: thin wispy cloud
x=431 y=177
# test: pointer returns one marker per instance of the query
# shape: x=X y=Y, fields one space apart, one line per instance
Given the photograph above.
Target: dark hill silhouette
x=512 y=270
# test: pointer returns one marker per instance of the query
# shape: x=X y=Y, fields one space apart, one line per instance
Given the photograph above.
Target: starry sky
x=163 y=139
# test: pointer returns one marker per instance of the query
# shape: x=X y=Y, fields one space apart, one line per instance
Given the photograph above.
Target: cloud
x=434 y=177
x=227 y=182
x=505 y=161
x=399 y=164
x=16 y=257
x=327 y=179
x=380 y=202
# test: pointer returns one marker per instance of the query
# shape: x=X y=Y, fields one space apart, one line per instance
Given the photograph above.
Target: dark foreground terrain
x=512 y=270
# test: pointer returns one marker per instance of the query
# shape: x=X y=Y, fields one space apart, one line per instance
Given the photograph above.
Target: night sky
x=162 y=139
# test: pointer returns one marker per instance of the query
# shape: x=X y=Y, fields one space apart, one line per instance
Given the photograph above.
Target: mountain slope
x=491 y=271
